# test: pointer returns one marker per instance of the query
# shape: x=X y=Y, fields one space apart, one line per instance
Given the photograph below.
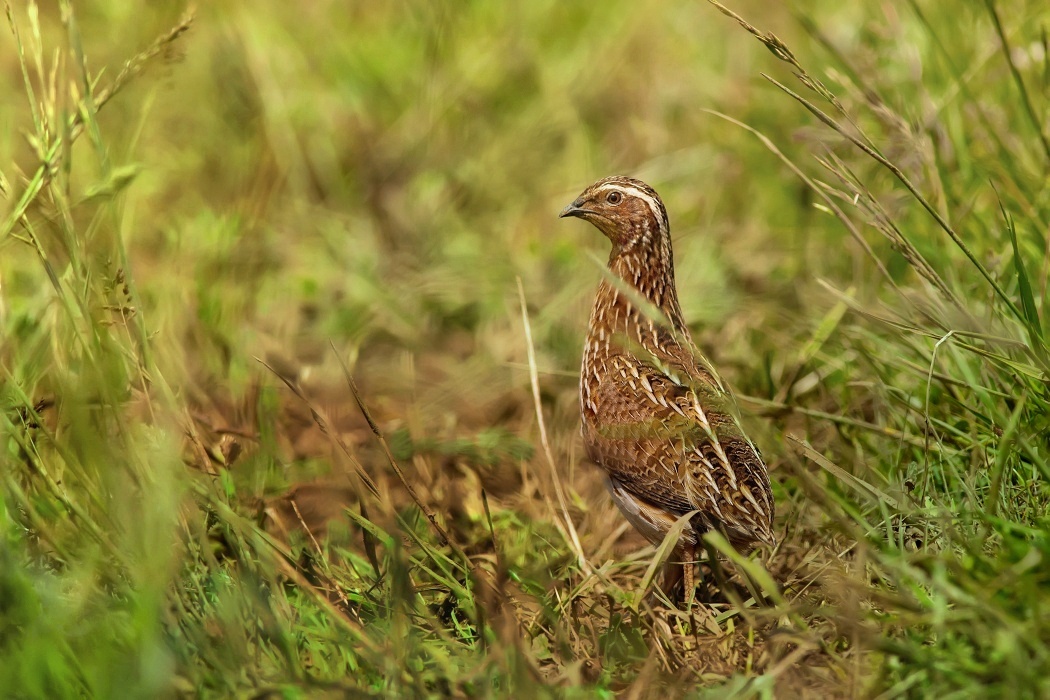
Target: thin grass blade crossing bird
x=656 y=417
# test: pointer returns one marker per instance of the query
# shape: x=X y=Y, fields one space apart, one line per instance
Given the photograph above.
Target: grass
x=216 y=227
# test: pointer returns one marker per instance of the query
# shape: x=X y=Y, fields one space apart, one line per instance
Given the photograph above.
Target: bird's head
x=627 y=211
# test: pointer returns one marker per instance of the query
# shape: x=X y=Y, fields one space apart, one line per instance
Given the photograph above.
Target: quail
x=656 y=417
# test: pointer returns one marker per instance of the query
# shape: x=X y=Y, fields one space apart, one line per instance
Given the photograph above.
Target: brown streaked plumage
x=656 y=417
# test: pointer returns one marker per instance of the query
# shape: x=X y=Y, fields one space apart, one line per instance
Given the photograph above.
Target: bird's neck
x=649 y=270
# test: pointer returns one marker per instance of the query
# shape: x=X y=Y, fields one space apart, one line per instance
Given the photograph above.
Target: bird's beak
x=575 y=209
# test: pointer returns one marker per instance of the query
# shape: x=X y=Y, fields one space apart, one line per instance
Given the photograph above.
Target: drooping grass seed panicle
x=656 y=417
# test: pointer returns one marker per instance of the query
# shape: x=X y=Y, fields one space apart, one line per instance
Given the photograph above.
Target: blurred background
x=370 y=183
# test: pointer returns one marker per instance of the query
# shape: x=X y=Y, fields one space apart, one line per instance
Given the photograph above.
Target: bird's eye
x=614 y=198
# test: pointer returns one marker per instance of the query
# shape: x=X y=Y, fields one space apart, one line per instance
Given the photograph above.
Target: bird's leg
x=689 y=550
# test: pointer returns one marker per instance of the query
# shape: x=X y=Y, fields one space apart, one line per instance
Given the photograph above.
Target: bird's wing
x=670 y=435
x=640 y=442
